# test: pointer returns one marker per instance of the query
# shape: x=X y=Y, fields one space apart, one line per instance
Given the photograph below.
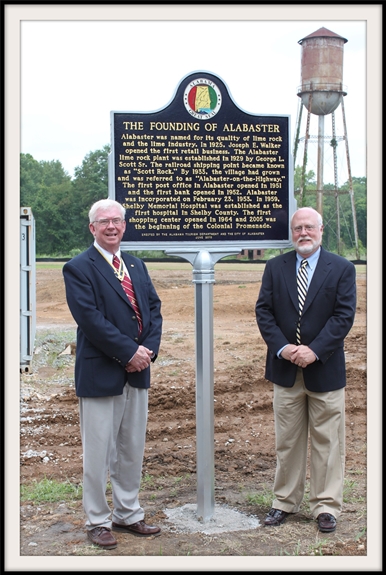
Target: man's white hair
x=104 y=205
x=320 y=219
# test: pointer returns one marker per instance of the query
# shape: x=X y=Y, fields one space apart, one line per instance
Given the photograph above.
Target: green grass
x=262 y=498
x=50 y=491
x=317 y=549
x=361 y=533
x=49 y=265
x=296 y=552
x=350 y=492
x=147 y=482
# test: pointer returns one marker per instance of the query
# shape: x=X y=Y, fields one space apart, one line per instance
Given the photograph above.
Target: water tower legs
x=351 y=189
x=320 y=169
x=319 y=177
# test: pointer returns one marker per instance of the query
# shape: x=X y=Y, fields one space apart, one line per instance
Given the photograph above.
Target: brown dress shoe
x=275 y=517
x=102 y=537
x=326 y=522
x=140 y=529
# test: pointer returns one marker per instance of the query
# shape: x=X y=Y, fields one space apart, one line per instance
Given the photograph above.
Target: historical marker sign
x=202 y=173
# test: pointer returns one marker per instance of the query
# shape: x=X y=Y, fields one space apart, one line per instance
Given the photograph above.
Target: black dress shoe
x=275 y=517
x=102 y=537
x=141 y=529
x=326 y=522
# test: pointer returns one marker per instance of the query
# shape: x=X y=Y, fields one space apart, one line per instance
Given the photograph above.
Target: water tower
x=321 y=93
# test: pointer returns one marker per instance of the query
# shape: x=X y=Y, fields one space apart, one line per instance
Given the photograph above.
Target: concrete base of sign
x=185 y=519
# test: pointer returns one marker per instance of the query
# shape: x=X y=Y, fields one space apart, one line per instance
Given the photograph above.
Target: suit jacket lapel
x=107 y=272
x=132 y=268
x=289 y=273
x=322 y=270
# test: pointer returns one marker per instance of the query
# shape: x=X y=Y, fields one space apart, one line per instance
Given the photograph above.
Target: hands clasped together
x=140 y=361
x=301 y=355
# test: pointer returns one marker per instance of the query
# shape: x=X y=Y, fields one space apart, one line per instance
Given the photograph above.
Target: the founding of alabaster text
x=229 y=181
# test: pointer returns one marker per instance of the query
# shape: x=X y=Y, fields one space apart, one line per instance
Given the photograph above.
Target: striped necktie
x=128 y=288
x=302 y=292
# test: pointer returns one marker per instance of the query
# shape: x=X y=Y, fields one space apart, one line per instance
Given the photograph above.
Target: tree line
x=60 y=204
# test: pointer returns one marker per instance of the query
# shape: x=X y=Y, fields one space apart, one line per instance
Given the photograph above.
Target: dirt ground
x=243 y=429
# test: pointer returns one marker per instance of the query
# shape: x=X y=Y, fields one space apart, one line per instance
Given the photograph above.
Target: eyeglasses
x=105 y=222
x=298 y=229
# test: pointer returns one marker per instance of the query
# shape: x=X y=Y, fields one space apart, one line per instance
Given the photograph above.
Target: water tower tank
x=322 y=71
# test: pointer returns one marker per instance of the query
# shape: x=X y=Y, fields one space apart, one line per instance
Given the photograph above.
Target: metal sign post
x=203 y=277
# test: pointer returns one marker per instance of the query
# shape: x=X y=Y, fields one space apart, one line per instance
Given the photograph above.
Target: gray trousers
x=300 y=414
x=113 y=431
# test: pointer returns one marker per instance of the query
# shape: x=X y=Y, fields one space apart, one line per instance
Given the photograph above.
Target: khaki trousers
x=113 y=431
x=300 y=414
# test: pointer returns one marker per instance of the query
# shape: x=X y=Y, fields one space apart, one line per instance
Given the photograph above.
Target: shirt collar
x=108 y=255
x=312 y=260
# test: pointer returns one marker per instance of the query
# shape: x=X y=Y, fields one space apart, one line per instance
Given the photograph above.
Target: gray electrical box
x=27 y=288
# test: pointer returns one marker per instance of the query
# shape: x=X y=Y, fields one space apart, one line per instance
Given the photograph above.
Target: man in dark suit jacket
x=115 y=348
x=309 y=373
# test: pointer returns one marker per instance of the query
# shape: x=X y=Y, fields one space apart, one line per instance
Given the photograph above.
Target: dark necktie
x=302 y=292
x=128 y=288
